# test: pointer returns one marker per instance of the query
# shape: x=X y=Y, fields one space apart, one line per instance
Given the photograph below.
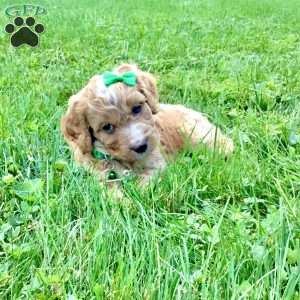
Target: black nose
x=141 y=148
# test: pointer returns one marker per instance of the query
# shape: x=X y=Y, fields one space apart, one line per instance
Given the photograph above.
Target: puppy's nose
x=141 y=148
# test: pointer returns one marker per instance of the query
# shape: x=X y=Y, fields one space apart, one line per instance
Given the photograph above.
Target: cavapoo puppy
x=115 y=126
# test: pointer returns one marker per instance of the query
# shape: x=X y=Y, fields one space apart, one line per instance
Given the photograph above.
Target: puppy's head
x=118 y=117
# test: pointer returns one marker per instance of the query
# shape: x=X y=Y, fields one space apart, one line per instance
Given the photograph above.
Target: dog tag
x=112 y=175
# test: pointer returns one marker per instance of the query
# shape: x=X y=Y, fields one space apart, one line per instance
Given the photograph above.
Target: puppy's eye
x=136 y=109
x=109 y=128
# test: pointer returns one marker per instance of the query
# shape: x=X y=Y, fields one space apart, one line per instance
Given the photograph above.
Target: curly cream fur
x=164 y=127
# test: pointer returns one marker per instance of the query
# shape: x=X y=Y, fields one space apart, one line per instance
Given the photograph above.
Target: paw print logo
x=24 y=33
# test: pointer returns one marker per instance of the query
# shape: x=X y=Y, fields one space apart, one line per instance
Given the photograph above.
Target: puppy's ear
x=146 y=84
x=74 y=126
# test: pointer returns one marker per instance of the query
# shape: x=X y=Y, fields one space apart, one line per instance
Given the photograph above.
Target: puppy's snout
x=141 y=148
x=139 y=134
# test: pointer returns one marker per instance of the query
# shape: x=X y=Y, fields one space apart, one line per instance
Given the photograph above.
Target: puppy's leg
x=147 y=176
x=200 y=130
x=154 y=164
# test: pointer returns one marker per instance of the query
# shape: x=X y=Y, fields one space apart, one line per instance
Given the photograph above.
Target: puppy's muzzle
x=141 y=148
x=140 y=136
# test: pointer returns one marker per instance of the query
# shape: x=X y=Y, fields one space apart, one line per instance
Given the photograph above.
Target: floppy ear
x=75 y=128
x=146 y=84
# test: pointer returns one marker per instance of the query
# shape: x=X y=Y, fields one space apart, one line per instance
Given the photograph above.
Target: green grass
x=210 y=229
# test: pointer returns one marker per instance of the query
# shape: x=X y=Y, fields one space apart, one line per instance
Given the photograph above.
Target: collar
x=112 y=174
x=100 y=155
x=98 y=151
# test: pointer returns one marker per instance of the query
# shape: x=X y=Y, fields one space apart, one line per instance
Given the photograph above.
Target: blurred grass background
x=210 y=229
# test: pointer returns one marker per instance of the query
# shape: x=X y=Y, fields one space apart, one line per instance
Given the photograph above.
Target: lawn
x=210 y=229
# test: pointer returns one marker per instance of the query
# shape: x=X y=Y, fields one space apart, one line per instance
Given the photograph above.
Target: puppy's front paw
x=117 y=194
x=227 y=146
x=144 y=180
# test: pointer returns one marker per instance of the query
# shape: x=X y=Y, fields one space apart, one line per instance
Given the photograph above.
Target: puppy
x=115 y=126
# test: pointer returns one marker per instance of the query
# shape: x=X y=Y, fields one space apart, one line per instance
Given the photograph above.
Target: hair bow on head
x=128 y=78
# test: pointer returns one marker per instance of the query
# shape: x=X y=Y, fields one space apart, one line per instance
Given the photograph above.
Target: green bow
x=128 y=78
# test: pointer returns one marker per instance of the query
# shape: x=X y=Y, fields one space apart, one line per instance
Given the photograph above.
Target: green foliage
x=208 y=228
